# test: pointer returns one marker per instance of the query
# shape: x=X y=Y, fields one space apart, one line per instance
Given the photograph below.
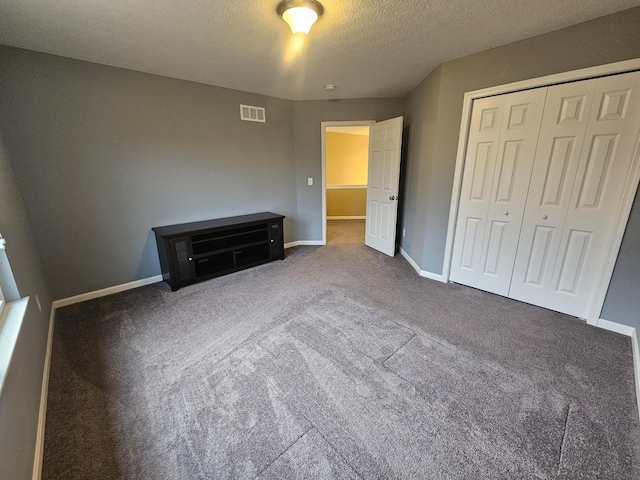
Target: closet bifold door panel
x=562 y=135
x=500 y=154
x=545 y=176
x=585 y=154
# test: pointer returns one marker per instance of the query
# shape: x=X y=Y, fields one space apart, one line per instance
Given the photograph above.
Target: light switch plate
x=310 y=181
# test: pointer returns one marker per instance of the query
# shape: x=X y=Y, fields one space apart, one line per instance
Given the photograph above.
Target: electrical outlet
x=310 y=181
x=38 y=302
x=404 y=232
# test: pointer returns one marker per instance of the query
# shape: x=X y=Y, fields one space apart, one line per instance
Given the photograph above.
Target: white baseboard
x=616 y=327
x=633 y=333
x=83 y=297
x=303 y=242
x=423 y=273
x=408 y=258
x=346 y=217
x=42 y=416
x=432 y=276
x=636 y=364
x=106 y=291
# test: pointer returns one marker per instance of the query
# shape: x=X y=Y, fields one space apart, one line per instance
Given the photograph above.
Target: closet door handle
x=544 y=216
x=506 y=213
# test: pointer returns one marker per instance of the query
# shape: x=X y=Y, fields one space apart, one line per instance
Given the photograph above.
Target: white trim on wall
x=42 y=416
x=323 y=141
x=83 y=297
x=632 y=183
x=423 y=273
x=629 y=332
x=636 y=364
x=615 y=327
x=304 y=242
x=11 y=320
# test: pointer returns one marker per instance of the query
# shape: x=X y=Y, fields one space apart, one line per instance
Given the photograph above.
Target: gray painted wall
x=308 y=116
x=20 y=400
x=421 y=110
x=103 y=154
x=435 y=109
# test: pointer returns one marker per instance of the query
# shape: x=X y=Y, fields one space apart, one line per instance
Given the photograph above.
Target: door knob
x=544 y=216
x=392 y=197
x=506 y=213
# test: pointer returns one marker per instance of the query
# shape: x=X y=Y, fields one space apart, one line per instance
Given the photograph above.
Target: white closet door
x=562 y=134
x=500 y=153
x=560 y=259
x=477 y=181
x=605 y=164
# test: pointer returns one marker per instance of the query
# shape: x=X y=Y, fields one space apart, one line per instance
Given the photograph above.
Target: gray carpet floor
x=337 y=362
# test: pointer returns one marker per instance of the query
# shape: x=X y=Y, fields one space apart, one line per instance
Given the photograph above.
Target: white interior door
x=385 y=143
x=500 y=152
x=577 y=191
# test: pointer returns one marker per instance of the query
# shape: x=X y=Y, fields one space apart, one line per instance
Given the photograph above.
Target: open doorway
x=345 y=158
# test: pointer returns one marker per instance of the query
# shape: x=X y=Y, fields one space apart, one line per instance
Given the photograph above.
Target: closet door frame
x=631 y=186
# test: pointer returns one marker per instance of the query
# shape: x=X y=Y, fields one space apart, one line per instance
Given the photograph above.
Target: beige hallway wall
x=346 y=170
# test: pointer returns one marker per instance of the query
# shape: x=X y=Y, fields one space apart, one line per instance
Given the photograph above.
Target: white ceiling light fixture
x=300 y=14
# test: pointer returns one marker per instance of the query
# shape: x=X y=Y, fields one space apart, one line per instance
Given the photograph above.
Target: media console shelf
x=192 y=252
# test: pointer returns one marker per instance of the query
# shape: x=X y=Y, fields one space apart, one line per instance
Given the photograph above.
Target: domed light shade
x=300 y=14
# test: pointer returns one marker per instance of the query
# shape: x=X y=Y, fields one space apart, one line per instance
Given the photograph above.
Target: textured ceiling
x=367 y=48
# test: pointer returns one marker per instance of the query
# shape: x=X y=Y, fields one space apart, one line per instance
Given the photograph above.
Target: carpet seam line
x=252 y=337
x=335 y=450
x=564 y=438
x=284 y=451
x=313 y=426
x=399 y=348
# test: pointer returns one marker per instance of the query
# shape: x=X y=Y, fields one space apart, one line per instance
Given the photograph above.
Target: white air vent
x=252 y=114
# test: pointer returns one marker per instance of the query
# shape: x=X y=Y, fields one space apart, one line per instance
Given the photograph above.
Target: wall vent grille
x=252 y=114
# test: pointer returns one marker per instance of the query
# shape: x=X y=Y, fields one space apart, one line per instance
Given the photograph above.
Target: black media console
x=192 y=252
